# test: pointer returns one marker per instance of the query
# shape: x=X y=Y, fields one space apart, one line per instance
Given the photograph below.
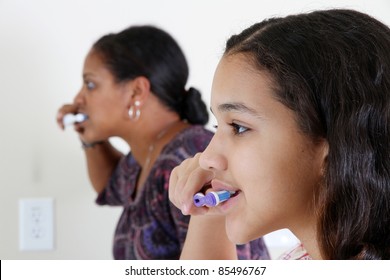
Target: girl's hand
x=186 y=180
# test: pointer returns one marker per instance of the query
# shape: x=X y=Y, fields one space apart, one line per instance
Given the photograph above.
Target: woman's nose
x=79 y=98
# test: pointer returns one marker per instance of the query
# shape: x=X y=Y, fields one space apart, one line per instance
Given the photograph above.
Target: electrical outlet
x=36 y=224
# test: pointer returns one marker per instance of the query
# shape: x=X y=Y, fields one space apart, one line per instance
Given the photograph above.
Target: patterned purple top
x=150 y=226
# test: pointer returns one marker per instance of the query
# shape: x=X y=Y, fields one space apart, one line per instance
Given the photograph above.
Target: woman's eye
x=238 y=129
x=90 y=85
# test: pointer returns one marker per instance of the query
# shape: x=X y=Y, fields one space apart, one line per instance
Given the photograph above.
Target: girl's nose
x=213 y=157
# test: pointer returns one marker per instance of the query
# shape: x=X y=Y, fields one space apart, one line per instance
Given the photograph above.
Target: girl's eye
x=238 y=129
x=90 y=85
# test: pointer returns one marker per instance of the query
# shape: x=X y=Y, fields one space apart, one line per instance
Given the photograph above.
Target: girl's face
x=259 y=152
x=102 y=99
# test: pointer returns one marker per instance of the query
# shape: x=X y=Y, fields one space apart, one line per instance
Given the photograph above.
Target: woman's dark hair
x=332 y=68
x=151 y=52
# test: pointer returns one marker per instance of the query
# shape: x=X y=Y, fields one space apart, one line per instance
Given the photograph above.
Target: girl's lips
x=230 y=203
x=221 y=186
x=235 y=194
x=225 y=206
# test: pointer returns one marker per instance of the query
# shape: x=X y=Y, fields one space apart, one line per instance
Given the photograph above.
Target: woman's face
x=102 y=99
x=259 y=152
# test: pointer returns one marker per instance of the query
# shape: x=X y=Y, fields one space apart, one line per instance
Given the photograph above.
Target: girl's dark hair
x=151 y=52
x=332 y=68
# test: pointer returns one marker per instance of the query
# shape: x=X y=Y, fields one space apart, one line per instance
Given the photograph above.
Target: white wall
x=42 y=48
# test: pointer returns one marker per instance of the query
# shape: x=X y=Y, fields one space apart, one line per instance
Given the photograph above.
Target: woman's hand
x=78 y=127
x=65 y=109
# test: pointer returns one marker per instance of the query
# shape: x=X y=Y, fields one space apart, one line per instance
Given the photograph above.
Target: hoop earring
x=134 y=111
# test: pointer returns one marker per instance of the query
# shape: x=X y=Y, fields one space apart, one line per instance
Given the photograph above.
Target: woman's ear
x=137 y=91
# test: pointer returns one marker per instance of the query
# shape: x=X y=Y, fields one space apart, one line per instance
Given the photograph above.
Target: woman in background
x=134 y=88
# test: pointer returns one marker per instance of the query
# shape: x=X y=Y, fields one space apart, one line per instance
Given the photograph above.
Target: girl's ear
x=325 y=152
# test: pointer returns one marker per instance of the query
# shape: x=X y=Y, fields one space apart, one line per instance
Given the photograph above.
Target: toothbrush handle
x=211 y=199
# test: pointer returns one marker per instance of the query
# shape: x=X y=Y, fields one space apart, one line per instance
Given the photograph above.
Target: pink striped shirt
x=297 y=253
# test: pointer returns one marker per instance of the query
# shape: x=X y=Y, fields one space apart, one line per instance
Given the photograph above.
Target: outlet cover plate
x=36 y=224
